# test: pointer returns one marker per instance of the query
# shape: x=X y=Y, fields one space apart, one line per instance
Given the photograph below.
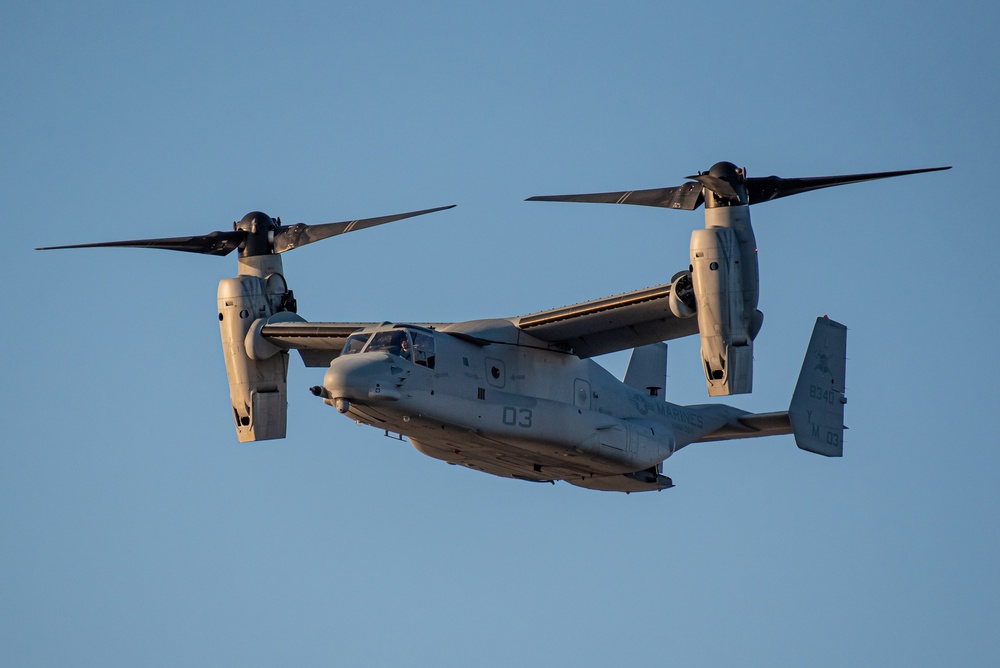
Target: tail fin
x=647 y=369
x=817 y=408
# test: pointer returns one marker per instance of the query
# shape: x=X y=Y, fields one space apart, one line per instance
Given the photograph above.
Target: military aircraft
x=520 y=397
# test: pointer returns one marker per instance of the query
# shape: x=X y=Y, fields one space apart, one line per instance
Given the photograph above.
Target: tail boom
x=816 y=414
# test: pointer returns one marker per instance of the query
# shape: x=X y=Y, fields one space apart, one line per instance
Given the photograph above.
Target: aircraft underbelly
x=482 y=453
x=525 y=452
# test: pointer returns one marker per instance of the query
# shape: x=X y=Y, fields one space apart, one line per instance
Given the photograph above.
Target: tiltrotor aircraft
x=521 y=397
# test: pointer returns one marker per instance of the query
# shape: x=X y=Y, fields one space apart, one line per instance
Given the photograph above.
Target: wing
x=609 y=324
x=587 y=329
x=317 y=342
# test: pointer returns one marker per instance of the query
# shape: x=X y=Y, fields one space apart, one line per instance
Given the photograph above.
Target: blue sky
x=135 y=531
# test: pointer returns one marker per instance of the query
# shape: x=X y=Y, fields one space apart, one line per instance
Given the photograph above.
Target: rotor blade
x=765 y=188
x=686 y=196
x=295 y=236
x=216 y=243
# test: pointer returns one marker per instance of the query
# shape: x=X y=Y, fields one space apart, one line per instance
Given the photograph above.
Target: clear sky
x=134 y=530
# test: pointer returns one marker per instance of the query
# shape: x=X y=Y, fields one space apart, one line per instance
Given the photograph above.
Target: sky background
x=134 y=530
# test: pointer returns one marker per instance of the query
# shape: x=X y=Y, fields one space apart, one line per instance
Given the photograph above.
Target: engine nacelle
x=257 y=384
x=726 y=307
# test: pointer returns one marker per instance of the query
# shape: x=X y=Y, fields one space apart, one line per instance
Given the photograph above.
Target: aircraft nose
x=363 y=377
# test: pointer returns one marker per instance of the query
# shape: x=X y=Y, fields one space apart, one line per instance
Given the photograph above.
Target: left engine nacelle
x=257 y=382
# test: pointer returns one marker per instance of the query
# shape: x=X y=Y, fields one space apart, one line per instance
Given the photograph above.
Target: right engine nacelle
x=726 y=321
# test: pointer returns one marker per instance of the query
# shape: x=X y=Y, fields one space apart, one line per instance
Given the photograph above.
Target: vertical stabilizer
x=817 y=408
x=647 y=369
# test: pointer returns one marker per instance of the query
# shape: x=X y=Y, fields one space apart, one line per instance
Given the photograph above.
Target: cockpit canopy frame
x=410 y=343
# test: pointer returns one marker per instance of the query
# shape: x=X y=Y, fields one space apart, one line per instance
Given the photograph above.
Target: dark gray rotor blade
x=687 y=196
x=765 y=188
x=216 y=243
x=295 y=236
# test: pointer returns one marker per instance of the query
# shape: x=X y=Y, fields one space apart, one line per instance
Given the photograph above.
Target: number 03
x=517 y=416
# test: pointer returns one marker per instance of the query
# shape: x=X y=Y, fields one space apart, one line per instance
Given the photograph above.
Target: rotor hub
x=727 y=171
x=259 y=229
x=727 y=182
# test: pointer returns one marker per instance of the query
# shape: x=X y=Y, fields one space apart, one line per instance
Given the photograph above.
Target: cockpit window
x=354 y=344
x=394 y=342
x=423 y=349
x=412 y=345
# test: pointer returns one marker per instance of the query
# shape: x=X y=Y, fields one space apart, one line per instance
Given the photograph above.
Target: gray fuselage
x=491 y=398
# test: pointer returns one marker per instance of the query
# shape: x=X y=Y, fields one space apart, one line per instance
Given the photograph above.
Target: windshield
x=355 y=342
x=415 y=346
x=394 y=342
